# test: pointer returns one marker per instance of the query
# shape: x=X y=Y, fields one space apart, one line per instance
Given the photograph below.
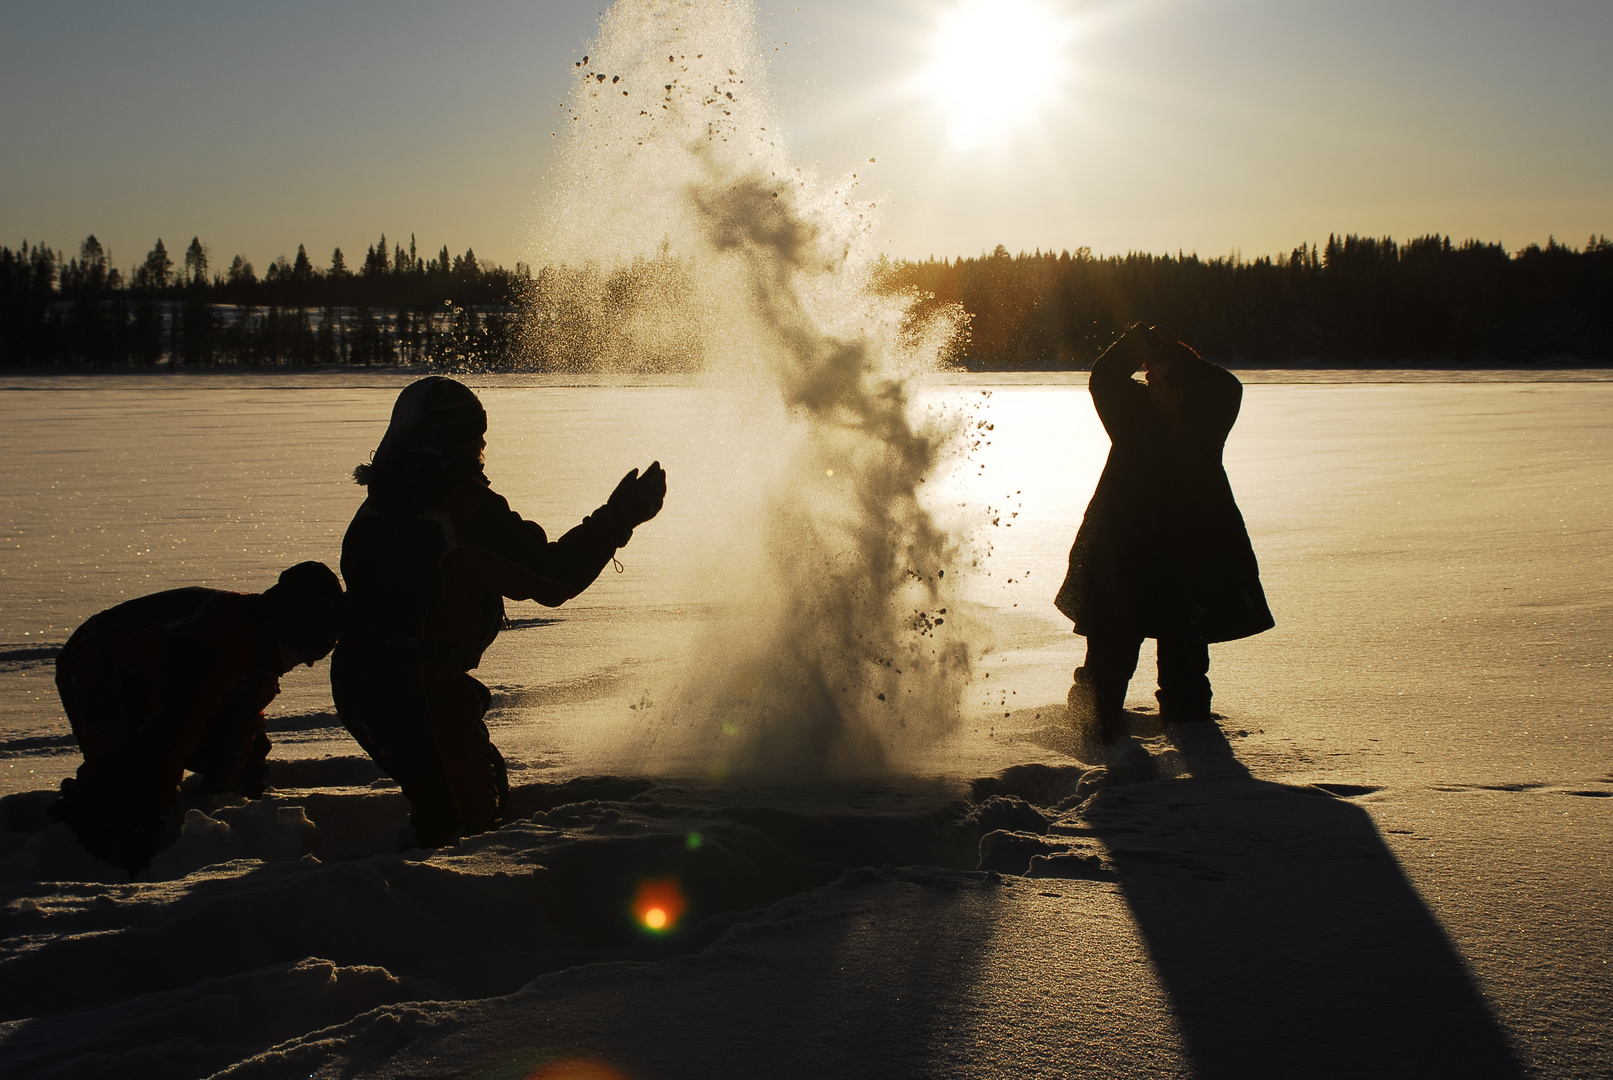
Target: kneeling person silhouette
x=179 y=680
x=429 y=559
x=1162 y=551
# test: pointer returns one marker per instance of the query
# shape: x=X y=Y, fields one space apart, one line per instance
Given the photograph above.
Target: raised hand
x=637 y=498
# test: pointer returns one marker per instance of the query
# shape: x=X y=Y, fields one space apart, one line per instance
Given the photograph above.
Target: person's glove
x=1141 y=345
x=638 y=498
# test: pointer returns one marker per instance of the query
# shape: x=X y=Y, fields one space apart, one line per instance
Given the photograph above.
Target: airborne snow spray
x=679 y=238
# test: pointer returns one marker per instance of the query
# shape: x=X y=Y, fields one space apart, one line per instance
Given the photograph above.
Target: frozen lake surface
x=1437 y=549
x=1436 y=552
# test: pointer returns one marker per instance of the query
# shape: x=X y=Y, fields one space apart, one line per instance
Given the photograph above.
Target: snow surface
x=1392 y=856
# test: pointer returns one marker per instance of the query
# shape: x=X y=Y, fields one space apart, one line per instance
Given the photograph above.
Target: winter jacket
x=439 y=576
x=427 y=570
x=1162 y=548
x=171 y=681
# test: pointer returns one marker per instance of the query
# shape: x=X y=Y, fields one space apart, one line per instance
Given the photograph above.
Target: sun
x=995 y=66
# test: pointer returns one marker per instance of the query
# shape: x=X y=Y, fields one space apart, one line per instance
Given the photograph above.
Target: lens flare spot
x=576 y=1069
x=659 y=905
x=693 y=841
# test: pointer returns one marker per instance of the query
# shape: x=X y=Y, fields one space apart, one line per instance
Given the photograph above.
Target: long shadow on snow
x=1288 y=937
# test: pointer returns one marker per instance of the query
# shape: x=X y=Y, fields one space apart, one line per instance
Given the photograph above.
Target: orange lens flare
x=576 y=1069
x=659 y=904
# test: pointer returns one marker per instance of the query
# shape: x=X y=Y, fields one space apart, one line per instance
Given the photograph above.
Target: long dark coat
x=1163 y=548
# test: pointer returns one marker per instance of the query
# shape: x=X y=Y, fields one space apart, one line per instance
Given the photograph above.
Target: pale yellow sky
x=1209 y=126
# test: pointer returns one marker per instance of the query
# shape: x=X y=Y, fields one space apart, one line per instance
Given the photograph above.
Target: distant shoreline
x=1546 y=363
x=1565 y=370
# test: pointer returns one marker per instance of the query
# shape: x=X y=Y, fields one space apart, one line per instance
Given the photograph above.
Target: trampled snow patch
x=263 y=921
x=1251 y=925
x=257 y=831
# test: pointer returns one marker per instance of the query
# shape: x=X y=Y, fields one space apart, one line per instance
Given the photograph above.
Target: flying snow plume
x=680 y=238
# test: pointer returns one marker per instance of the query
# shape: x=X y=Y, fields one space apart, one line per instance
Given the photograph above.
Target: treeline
x=397 y=306
x=1357 y=301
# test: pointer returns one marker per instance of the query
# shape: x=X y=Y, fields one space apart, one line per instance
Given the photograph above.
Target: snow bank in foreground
x=266 y=920
x=1048 y=921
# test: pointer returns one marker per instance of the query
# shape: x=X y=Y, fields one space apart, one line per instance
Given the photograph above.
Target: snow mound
x=199 y=1029
x=257 y=831
x=268 y=920
x=642 y=925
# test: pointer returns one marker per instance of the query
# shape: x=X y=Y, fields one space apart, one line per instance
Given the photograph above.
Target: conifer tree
x=157 y=268
x=195 y=262
x=325 y=340
x=92 y=265
x=375 y=259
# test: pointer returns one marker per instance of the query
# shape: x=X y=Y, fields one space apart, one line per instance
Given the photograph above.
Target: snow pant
x=421 y=721
x=117 y=802
x=1184 y=684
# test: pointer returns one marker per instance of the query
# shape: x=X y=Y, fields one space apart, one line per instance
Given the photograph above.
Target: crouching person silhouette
x=179 y=680
x=429 y=559
x=1162 y=552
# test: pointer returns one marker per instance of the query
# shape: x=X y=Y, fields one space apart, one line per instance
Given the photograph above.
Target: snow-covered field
x=1393 y=857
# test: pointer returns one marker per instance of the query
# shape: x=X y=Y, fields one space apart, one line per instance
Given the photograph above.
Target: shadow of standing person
x=1287 y=935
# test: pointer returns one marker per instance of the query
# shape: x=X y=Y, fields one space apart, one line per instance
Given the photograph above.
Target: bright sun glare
x=995 y=66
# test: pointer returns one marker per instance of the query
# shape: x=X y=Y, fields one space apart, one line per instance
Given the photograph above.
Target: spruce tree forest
x=1354 y=302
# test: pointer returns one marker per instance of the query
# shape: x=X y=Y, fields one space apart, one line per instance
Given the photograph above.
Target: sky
x=1214 y=126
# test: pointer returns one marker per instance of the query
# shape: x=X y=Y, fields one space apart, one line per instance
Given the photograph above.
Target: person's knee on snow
x=179 y=680
x=430 y=558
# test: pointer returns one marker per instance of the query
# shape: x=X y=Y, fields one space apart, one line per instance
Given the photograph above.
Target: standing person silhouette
x=429 y=559
x=1162 y=552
